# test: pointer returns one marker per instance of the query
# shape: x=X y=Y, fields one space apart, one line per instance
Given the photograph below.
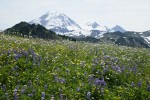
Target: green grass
x=34 y=69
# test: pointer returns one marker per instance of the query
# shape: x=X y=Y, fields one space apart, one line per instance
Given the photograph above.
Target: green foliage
x=38 y=69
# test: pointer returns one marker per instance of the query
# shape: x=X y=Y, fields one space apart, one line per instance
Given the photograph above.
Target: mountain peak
x=57 y=21
x=55 y=13
x=93 y=24
x=117 y=28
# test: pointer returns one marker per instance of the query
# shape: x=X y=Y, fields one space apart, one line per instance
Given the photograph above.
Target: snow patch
x=147 y=39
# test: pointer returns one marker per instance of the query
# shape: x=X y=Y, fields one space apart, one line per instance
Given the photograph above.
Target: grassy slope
x=64 y=69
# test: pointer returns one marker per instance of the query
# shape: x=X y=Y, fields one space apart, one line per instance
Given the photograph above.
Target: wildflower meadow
x=36 y=69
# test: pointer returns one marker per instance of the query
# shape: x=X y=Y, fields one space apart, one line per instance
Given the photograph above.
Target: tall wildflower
x=88 y=95
x=43 y=96
x=139 y=84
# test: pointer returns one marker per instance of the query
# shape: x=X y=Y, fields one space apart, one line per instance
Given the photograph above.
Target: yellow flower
x=106 y=90
x=93 y=89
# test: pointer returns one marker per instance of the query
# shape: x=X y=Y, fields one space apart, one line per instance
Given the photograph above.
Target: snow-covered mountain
x=95 y=26
x=62 y=24
x=56 y=21
x=117 y=28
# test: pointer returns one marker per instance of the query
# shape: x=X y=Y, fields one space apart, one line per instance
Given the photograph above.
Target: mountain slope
x=127 y=38
x=57 y=22
x=33 y=30
x=36 y=31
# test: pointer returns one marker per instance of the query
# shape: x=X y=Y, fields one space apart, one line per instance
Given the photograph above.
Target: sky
x=132 y=15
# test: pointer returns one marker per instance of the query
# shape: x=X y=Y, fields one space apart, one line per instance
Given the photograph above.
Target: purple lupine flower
x=45 y=87
x=61 y=95
x=114 y=68
x=15 y=96
x=102 y=91
x=31 y=51
x=42 y=98
x=134 y=69
x=118 y=69
x=34 y=59
x=15 y=51
x=61 y=80
x=9 y=52
x=93 y=68
x=123 y=69
x=25 y=53
x=98 y=81
x=15 y=68
x=132 y=84
x=91 y=78
x=39 y=61
x=103 y=83
x=29 y=83
x=22 y=91
x=56 y=78
x=68 y=71
x=85 y=73
x=3 y=87
x=37 y=78
x=82 y=84
x=34 y=91
x=148 y=88
x=18 y=56
x=88 y=95
x=95 y=61
x=43 y=94
x=106 y=69
x=17 y=88
x=30 y=95
x=16 y=74
x=139 y=83
x=78 y=89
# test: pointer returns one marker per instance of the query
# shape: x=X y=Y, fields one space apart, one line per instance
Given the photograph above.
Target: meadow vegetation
x=34 y=69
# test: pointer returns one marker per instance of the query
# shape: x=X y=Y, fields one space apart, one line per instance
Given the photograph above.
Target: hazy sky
x=130 y=14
